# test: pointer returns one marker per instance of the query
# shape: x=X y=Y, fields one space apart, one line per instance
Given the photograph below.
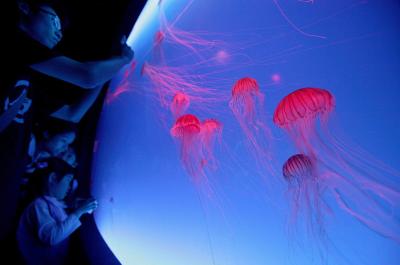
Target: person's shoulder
x=39 y=202
x=34 y=206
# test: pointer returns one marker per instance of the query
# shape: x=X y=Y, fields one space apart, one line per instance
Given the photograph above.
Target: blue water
x=151 y=213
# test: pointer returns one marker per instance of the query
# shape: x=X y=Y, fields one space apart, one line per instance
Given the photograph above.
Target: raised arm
x=75 y=111
x=87 y=75
x=51 y=231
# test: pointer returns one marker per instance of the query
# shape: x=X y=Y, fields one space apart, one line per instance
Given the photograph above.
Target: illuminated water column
x=188 y=161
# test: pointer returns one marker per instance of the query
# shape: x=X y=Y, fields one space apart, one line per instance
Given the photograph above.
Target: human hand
x=126 y=51
x=85 y=206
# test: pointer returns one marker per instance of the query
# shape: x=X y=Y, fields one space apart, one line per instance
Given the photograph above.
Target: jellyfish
x=211 y=131
x=247 y=105
x=361 y=184
x=298 y=113
x=180 y=104
x=187 y=130
x=191 y=133
x=158 y=37
x=305 y=195
x=309 y=182
x=158 y=54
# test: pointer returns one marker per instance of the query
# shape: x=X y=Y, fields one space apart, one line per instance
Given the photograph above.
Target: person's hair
x=53 y=127
x=38 y=179
x=59 y=7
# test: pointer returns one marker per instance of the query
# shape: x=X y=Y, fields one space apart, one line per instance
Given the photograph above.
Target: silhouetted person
x=46 y=225
x=32 y=49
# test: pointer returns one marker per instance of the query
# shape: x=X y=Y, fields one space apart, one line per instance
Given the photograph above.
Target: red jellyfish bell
x=186 y=126
x=298 y=168
x=179 y=104
x=297 y=113
x=363 y=186
x=187 y=130
x=304 y=191
x=246 y=96
x=247 y=105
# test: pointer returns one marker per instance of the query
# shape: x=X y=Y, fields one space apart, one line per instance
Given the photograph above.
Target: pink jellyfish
x=211 y=131
x=351 y=173
x=158 y=53
x=187 y=130
x=180 y=103
x=309 y=181
x=159 y=37
x=247 y=104
x=299 y=172
x=197 y=141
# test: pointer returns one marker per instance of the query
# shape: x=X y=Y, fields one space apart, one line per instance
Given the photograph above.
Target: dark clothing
x=15 y=85
x=51 y=94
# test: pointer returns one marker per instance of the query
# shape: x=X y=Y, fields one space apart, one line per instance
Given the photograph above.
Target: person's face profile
x=53 y=16
x=69 y=156
x=45 y=26
x=59 y=143
x=61 y=188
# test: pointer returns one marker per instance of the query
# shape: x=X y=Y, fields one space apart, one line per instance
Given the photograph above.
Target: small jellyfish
x=158 y=53
x=309 y=183
x=179 y=104
x=299 y=171
x=247 y=105
x=211 y=131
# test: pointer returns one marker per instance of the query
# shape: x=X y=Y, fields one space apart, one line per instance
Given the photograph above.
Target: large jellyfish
x=247 y=105
x=362 y=185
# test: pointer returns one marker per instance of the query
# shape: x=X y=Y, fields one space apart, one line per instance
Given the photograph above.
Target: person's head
x=53 y=177
x=40 y=19
x=69 y=156
x=57 y=143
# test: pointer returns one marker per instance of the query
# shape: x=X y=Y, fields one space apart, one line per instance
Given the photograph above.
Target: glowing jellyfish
x=187 y=130
x=310 y=181
x=300 y=174
x=211 y=131
x=247 y=105
x=222 y=57
x=158 y=54
x=158 y=37
x=276 y=78
x=179 y=104
x=362 y=185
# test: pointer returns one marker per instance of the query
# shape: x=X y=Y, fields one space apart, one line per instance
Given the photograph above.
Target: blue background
x=150 y=211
